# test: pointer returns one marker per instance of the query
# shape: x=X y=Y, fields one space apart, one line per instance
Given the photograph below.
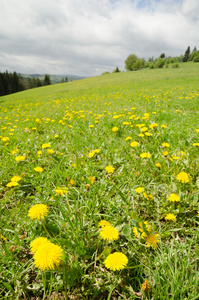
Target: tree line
x=133 y=63
x=13 y=82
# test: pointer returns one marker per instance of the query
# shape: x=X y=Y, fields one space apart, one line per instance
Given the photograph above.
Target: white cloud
x=91 y=36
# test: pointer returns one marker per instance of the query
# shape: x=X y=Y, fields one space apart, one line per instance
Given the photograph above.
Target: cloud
x=89 y=37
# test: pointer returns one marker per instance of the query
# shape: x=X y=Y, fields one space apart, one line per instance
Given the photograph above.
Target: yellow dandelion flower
x=44 y=146
x=165 y=145
x=152 y=240
x=174 y=198
x=183 y=177
x=145 y=155
x=116 y=261
x=96 y=150
x=114 y=129
x=20 y=158
x=39 y=153
x=39 y=169
x=163 y=126
x=196 y=144
x=197 y=130
x=158 y=165
x=5 y=139
x=153 y=125
x=48 y=256
x=103 y=223
x=91 y=126
x=91 y=154
x=12 y=183
x=13 y=152
x=143 y=129
x=72 y=182
x=141 y=134
x=15 y=179
x=50 y=151
x=91 y=179
x=139 y=190
x=38 y=211
x=134 y=144
x=128 y=138
x=109 y=233
x=3 y=238
x=146 y=286
x=147 y=133
x=37 y=242
x=170 y=217
x=165 y=153
x=61 y=191
x=109 y=169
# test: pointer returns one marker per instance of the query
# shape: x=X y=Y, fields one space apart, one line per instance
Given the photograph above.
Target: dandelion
x=109 y=233
x=37 y=242
x=146 y=286
x=39 y=153
x=116 y=261
x=196 y=144
x=12 y=183
x=152 y=240
x=139 y=190
x=165 y=145
x=13 y=152
x=141 y=134
x=15 y=179
x=91 y=126
x=114 y=129
x=163 y=126
x=109 y=169
x=50 y=151
x=134 y=144
x=61 y=191
x=197 y=130
x=145 y=155
x=91 y=154
x=72 y=182
x=165 y=153
x=158 y=165
x=147 y=133
x=39 y=169
x=170 y=217
x=48 y=256
x=143 y=129
x=3 y=238
x=91 y=179
x=5 y=139
x=174 y=198
x=38 y=211
x=44 y=146
x=20 y=158
x=153 y=125
x=128 y=138
x=183 y=177
x=103 y=223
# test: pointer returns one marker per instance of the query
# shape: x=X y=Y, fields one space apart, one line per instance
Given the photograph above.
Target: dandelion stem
x=45 y=228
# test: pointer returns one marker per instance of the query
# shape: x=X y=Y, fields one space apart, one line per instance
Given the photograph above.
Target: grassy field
x=100 y=188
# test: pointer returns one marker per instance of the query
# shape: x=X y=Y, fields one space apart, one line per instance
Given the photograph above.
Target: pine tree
x=187 y=54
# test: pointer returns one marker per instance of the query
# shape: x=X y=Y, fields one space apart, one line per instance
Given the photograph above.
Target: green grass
x=61 y=115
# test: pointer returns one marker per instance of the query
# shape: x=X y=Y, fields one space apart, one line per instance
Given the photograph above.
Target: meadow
x=99 y=191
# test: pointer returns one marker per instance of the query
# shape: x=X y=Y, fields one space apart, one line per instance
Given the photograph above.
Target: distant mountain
x=54 y=78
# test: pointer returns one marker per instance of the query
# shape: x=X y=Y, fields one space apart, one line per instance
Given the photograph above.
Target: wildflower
x=165 y=145
x=196 y=144
x=145 y=155
x=153 y=125
x=141 y=134
x=144 y=228
x=20 y=158
x=39 y=153
x=91 y=126
x=3 y=238
x=139 y=190
x=72 y=182
x=15 y=179
x=109 y=169
x=134 y=144
x=109 y=233
x=174 y=198
x=48 y=256
x=143 y=129
x=61 y=191
x=163 y=126
x=146 y=286
x=114 y=129
x=12 y=183
x=5 y=139
x=165 y=153
x=37 y=242
x=147 y=133
x=39 y=169
x=103 y=223
x=183 y=177
x=197 y=130
x=56 y=136
x=38 y=211
x=91 y=179
x=152 y=240
x=116 y=261
x=158 y=165
x=128 y=138
x=170 y=217
x=91 y=154
x=44 y=146
x=13 y=152
x=50 y=151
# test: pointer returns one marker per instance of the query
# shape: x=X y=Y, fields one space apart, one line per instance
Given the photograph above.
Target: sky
x=89 y=37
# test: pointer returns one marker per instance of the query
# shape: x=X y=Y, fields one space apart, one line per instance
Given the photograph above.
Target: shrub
x=176 y=65
x=196 y=59
x=160 y=63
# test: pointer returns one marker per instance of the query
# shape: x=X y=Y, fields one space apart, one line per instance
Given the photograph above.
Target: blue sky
x=90 y=37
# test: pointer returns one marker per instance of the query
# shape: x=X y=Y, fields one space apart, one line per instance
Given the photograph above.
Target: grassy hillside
x=112 y=162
